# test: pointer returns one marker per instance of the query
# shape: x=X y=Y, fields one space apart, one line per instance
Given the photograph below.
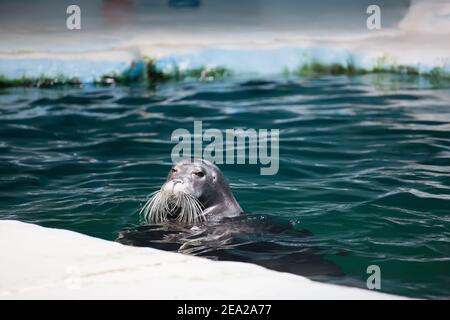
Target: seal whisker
x=155 y=208
x=162 y=203
x=191 y=210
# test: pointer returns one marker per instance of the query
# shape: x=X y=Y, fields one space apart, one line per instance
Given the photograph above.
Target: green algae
x=151 y=74
x=146 y=72
x=314 y=68
x=201 y=74
x=384 y=66
x=38 y=82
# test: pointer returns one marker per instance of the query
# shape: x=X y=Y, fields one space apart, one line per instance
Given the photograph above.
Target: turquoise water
x=365 y=167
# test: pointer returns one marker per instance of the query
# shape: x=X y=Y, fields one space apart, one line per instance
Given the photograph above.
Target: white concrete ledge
x=44 y=263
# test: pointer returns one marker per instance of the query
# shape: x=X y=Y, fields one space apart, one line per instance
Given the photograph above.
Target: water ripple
x=366 y=171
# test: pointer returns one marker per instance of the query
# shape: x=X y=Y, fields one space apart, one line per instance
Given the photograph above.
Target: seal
x=194 y=192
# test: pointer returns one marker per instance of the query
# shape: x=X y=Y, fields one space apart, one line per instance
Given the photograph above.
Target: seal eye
x=199 y=174
x=173 y=170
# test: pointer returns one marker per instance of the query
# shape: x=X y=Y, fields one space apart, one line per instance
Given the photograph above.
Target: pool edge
x=47 y=263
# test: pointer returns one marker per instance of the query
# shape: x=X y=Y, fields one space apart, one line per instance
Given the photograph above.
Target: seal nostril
x=175 y=181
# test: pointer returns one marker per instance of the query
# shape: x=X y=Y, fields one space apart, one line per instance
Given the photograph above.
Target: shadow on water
x=248 y=238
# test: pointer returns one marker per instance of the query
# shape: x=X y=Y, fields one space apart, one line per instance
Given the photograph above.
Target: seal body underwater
x=195 y=213
x=194 y=192
x=245 y=238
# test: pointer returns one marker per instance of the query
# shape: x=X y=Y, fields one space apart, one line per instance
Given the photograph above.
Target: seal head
x=195 y=191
